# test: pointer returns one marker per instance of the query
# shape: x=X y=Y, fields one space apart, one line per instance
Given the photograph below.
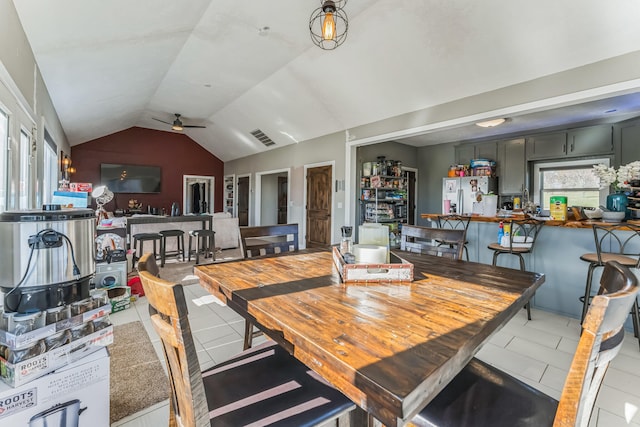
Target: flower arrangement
x=618 y=179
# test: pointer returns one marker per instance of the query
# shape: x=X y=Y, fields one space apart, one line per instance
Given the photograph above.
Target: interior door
x=282 y=199
x=243 y=201
x=319 y=206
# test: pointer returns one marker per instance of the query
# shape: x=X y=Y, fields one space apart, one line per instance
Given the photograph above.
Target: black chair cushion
x=172 y=233
x=267 y=386
x=481 y=395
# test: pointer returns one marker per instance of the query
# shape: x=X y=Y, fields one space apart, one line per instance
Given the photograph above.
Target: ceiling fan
x=177 y=123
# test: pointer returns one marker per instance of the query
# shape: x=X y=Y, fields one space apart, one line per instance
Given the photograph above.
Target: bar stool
x=616 y=242
x=522 y=238
x=179 y=235
x=455 y=222
x=138 y=244
x=205 y=239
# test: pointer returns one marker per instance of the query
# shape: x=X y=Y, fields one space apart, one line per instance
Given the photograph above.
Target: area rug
x=138 y=379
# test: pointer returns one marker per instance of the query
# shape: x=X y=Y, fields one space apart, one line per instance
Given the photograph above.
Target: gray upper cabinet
x=593 y=140
x=481 y=150
x=590 y=141
x=629 y=143
x=511 y=166
x=547 y=146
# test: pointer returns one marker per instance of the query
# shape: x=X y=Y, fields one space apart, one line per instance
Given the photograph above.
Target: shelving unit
x=230 y=194
x=633 y=201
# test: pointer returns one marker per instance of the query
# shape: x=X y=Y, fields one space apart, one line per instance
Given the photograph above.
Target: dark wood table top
x=389 y=347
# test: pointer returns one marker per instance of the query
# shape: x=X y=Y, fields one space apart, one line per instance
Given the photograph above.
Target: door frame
x=332 y=163
x=258 y=193
x=249 y=204
x=415 y=192
x=211 y=181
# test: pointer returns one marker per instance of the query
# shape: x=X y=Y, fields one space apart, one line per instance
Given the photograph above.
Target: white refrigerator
x=462 y=192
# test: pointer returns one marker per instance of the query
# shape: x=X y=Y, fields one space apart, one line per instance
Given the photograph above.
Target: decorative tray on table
x=398 y=270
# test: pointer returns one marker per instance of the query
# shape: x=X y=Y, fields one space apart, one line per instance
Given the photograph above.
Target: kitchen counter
x=556 y=253
x=553 y=223
x=155 y=223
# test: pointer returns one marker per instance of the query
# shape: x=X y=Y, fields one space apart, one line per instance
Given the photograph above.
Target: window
x=25 y=156
x=4 y=151
x=573 y=179
x=50 y=177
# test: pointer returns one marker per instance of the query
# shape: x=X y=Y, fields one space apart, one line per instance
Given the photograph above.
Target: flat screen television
x=121 y=178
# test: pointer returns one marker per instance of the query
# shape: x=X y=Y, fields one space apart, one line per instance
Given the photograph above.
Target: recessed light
x=491 y=123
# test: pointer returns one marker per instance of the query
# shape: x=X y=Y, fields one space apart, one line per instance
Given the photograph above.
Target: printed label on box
x=18 y=402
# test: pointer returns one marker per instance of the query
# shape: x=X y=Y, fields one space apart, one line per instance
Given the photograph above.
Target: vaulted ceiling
x=111 y=65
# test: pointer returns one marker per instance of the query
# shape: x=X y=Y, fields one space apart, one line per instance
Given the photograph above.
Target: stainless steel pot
x=61 y=415
x=46 y=258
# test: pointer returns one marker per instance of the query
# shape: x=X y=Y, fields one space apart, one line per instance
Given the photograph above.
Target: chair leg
x=163 y=245
x=528 y=304
x=466 y=252
x=189 y=251
x=248 y=334
x=198 y=259
x=635 y=319
x=587 y=291
x=495 y=257
x=182 y=243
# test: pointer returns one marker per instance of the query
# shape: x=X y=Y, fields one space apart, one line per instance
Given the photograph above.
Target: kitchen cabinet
x=230 y=194
x=511 y=166
x=629 y=143
x=481 y=150
x=589 y=141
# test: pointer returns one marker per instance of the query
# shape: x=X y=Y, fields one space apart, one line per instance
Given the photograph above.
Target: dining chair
x=616 y=242
x=481 y=395
x=261 y=241
x=456 y=222
x=523 y=234
x=427 y=240
x=261 y=386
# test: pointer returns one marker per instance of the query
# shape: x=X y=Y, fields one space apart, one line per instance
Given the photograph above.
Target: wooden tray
x=397 y=270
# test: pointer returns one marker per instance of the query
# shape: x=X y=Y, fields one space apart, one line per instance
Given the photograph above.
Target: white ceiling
x=111 y=65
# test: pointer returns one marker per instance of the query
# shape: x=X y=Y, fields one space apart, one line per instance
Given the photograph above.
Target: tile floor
x=538 y=352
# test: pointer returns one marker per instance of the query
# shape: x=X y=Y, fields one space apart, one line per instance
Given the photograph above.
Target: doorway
x=197 y=194
x=243 y=200
x=412 y=192
x=319 y=205
x=272 y=197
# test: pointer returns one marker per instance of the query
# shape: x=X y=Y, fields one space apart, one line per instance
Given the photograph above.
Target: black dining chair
x=481 y=395
x=261 y=241
x=261 y=386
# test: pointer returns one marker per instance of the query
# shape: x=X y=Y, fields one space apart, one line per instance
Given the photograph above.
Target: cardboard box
x=73 y=199
x=17 y=374
x=558 y=208
x=85 y=381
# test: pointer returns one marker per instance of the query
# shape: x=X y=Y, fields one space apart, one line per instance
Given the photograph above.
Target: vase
x=617 y=201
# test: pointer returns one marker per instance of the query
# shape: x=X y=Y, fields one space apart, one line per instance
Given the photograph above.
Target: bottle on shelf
x=500 y=232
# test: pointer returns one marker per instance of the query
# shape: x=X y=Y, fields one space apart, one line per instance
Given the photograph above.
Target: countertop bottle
x=500 y=232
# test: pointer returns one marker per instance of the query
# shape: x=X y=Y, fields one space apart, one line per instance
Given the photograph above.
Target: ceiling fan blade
x=169 y=123
x=193 y=126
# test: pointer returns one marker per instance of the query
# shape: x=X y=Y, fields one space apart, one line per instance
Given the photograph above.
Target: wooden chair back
x=168 y=310
x=426 y=240
x=600 y=342
x=620 y=239
x=269 y=239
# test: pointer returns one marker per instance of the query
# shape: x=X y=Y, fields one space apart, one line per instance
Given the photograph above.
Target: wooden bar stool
x=138 y=243
x=179 y=235
x=205 y=240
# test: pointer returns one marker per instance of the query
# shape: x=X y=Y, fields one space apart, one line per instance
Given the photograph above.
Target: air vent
x=260 y=136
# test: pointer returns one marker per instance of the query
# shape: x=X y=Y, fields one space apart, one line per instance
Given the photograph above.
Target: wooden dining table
x=389 y=347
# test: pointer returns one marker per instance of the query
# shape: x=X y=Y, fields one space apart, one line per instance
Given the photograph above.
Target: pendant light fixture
x=329 y=24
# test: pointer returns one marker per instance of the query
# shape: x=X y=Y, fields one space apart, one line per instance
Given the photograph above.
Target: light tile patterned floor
x=538 y=352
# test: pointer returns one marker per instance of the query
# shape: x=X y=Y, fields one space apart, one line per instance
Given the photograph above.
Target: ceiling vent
x=260 y=136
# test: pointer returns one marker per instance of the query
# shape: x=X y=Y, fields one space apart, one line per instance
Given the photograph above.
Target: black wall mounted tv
x=121 y=178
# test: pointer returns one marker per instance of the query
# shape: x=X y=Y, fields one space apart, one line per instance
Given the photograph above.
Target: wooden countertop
x=569 y=224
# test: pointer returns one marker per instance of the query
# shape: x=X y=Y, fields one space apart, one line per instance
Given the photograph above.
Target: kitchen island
x=156 y=223
x=556 y=254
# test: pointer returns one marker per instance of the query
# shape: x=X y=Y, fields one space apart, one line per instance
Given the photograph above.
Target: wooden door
x=319 y=206
x=243 y=201
x=282 y=199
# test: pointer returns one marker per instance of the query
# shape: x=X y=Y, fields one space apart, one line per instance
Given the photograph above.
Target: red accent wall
x=175 y=153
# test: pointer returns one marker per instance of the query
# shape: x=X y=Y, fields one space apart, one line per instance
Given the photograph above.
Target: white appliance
x=111 y=274
x=463 y=192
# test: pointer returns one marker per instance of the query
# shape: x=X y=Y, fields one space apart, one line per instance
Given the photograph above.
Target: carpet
x=138 y=379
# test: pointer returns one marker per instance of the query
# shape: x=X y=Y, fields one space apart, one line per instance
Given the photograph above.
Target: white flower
x=606 y=174
x=620 y=178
